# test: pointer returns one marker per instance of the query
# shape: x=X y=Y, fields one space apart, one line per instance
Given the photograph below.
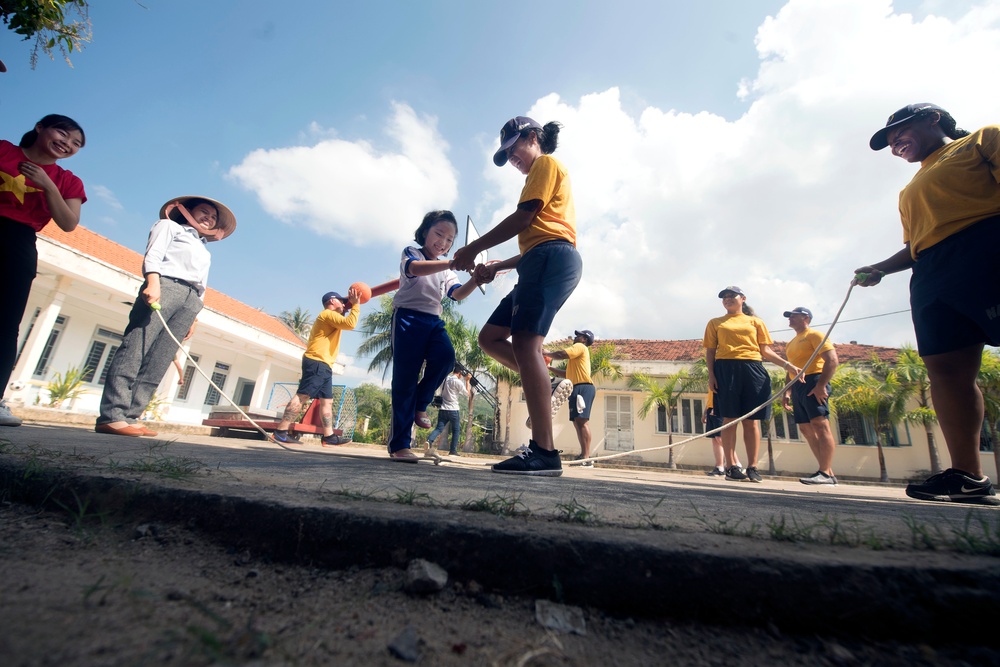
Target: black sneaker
x=819 y=477
x=286 y=438
x=716 y=472
x=753 y=475
x=735 y=474
x=335 y=440
x=954 y=486
x=531 y=460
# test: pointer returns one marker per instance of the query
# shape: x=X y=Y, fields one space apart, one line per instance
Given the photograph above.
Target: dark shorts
x=588 y=392
x=743 y=385
x=546 y=276
x=317 y=379
x=955 y=291
x=712 y=419
x=806 y=407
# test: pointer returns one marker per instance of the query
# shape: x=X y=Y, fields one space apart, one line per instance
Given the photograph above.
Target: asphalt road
x=642 y=540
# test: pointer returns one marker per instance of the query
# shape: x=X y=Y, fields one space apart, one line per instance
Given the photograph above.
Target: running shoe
x=561 y=390
x=819 y=477
x=735 y=474
x=754 y=475
x=531 y=460
x=954 y=486
x=334 y=440
x=286 y=438
x=7 y=417
x=716 y=472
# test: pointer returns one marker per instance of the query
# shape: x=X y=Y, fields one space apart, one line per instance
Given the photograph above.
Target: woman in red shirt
x=33 y=190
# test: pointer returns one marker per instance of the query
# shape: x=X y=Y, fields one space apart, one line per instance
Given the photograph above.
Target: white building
x=616 y=425
x=78 y=310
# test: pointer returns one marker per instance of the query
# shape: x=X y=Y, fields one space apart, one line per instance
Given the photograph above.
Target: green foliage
x=375 y=405
x=574 y=512
x=50 y=23
x=299 y=321
x=66 y=387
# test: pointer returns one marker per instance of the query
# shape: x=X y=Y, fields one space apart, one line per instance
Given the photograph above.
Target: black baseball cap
x=333 y=295
x=586 y=333
x=509 y=134
x=732 y=288
x=904 y=115
x=798 y=310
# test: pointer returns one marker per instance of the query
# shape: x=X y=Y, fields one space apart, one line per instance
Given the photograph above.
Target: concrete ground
x=855 y=558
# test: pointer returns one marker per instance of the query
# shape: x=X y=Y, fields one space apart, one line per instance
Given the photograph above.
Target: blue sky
x=712 y=143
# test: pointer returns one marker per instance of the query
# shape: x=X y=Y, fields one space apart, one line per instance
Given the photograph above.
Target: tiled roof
x=109 y=252
x=692 y=350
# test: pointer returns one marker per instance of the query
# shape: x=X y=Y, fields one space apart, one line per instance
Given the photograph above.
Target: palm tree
x=377 y=327
x=373 y=403
x=989 y=385
x=602 y=362
x=912 y=374
x=298 y=320
x=881 y=402
x=512 y=379
x=465 y=339
x=665 y=394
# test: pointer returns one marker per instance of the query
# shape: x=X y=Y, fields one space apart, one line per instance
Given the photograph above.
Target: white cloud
x=785 y=200
x=352 y=190
x=107 y=196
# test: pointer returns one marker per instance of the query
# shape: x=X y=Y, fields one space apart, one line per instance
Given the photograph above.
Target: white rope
x=156 y=309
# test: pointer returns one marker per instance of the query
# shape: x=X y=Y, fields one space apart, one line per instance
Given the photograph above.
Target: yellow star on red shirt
x=17 y=185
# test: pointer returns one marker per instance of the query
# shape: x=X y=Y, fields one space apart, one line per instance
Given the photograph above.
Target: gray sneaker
x=819 y=477
x=753 y=474
x=7 y=417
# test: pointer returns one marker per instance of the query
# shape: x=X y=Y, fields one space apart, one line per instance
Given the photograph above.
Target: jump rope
x=859 y=278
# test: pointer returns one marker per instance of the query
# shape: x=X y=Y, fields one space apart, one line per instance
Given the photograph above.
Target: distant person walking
x=809 y=400
x=449 y=414
x=35 y=191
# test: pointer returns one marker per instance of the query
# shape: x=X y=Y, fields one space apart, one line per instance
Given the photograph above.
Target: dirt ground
x=84 y=592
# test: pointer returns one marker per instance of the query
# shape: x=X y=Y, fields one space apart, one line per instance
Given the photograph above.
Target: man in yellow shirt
x=317 y=362
x=578 y=372
x=809 y=398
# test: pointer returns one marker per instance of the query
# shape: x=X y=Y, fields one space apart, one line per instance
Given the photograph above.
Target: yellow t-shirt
x=324 y=339
x=548 y=182
x=800 y=348
x=736 y=337
x=578 y=367
x=957 y=186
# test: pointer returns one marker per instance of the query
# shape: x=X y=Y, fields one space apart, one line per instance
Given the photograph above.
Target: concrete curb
x=711 y=578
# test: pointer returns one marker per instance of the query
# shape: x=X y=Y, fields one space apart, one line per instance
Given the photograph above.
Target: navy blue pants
x=446 y=419
x=416 y=338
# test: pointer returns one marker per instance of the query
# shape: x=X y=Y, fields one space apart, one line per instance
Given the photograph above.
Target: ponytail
x=548 y=137
x=747 y=310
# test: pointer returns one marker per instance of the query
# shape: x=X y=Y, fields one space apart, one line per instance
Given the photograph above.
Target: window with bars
x=686 y=417
x=854 y=429
x=219 y=376
x=42 y=367
x=182 y=393
x=785 y=427
x=102 y=351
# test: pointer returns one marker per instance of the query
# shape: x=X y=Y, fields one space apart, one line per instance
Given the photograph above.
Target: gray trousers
x=147 y=351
